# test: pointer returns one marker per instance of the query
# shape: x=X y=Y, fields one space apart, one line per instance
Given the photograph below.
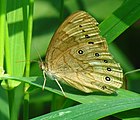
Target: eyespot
x=80 y=51
x=105 y=61
x=90 y=42
x=108 y=69
x=80 y=25
x=83 y=30
x=86 y=36
x=107 y=78
x=97 y=54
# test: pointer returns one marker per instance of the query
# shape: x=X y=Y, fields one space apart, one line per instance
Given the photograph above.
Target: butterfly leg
x=44 y=75
x=60 y=87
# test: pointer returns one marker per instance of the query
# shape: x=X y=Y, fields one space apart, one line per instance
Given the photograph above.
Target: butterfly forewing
x=79 y=56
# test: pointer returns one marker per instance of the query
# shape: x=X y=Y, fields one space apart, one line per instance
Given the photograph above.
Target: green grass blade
x=16 y=42
x=28 y=25
x=129 y=115
x=4 y=108
x=101 y=105
x=120 y=20
x=93 y=111
x=73 y=93
x=2 y=32
x=15 y=53
x=29 y=36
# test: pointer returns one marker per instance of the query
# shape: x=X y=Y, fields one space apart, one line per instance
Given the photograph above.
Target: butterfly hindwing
x=79 y=56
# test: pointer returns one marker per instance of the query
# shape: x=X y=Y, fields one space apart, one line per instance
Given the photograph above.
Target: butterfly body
x=79 y=56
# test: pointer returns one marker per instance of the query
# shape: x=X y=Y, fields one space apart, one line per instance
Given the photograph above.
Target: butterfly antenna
x=26 y=61
x=38 y=54
x=44 y=74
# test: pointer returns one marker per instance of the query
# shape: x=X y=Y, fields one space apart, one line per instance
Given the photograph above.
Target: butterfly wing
x=79 y=56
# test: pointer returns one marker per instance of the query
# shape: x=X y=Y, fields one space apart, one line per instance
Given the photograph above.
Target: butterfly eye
x=107 y=78
x=105 y=61
x=97 y=54
x=86 y=36
x=108 y=69
x=80 y=51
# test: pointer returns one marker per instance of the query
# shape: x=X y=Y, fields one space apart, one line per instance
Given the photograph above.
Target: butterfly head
x=43 y=66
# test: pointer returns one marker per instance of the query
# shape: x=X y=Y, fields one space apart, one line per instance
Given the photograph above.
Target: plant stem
x=2 y=31
x=29 y=37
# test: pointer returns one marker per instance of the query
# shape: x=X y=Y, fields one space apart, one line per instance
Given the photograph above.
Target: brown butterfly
x=79 y=56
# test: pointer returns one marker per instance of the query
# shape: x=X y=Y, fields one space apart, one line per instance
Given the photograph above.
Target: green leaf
x=15 y=42
x=129 y=115
x=92 y=111
x=14 y=54
x=120 y=20
x=95 y=105
x=4 y=105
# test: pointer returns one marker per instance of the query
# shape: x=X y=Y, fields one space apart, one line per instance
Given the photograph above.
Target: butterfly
x=78 y=55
